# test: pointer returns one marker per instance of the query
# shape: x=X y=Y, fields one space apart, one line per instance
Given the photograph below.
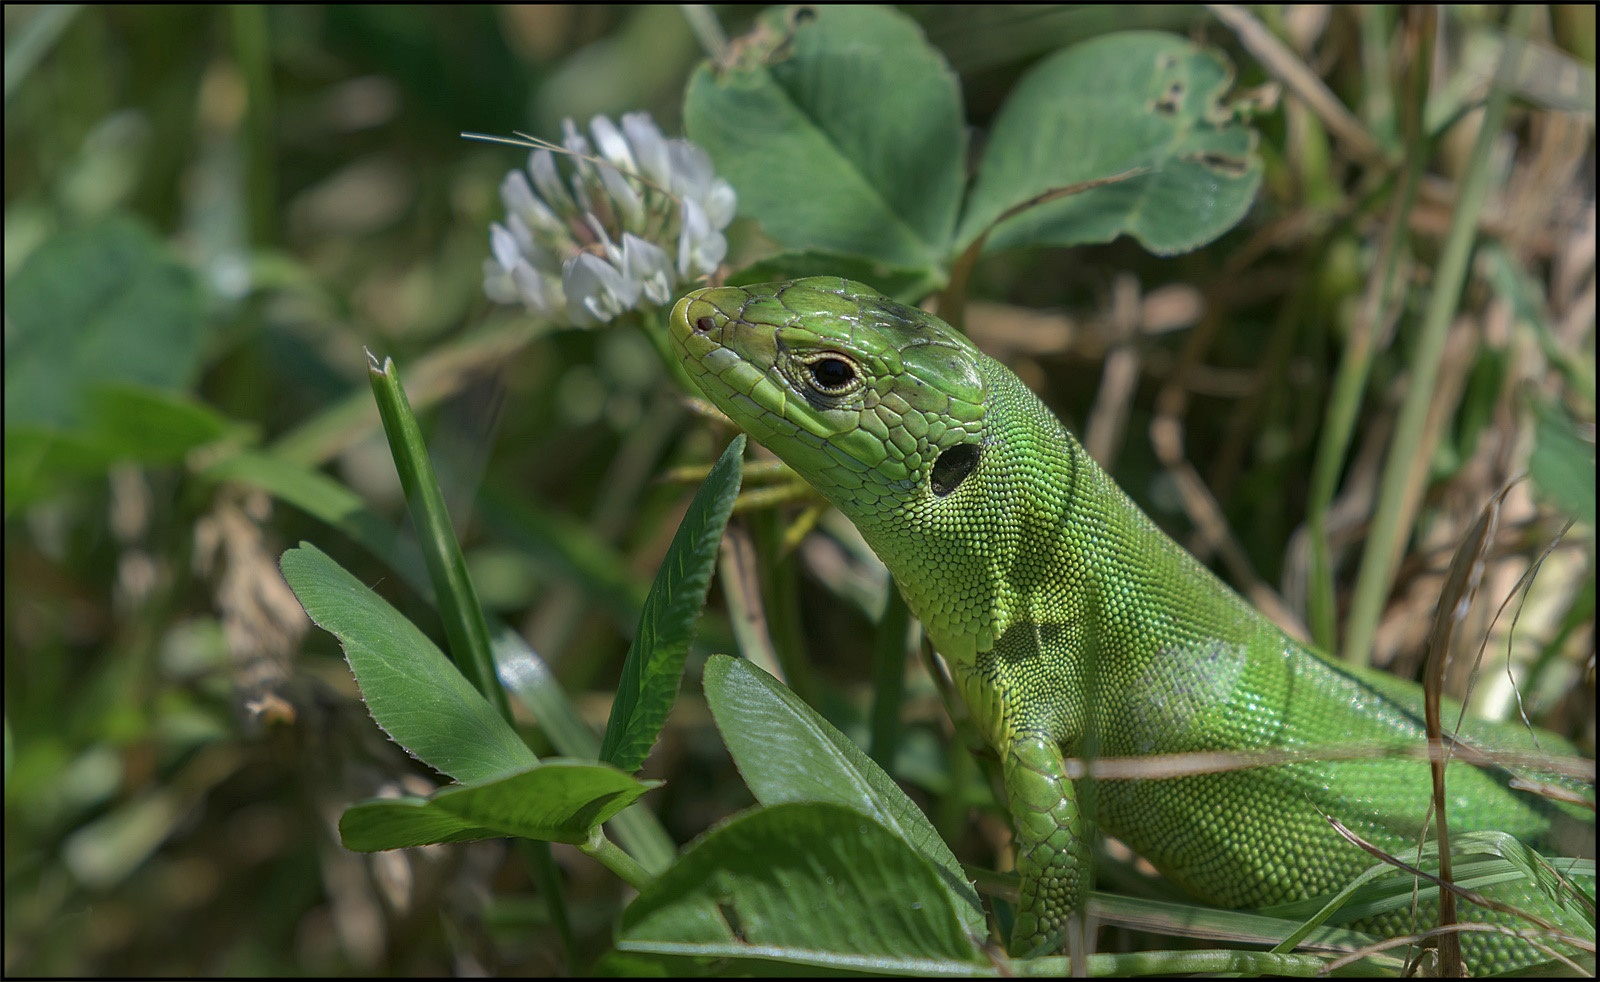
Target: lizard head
x=871 y=401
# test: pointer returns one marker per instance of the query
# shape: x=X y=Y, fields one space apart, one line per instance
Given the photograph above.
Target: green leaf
x=1195 y=920
x=101 y=304
x=457 y=599
x=319 y=496
x=526 y=673
x=152 y=425
x=411 y=688
x=650 y=675
x=1541 y=871
x=1382 y=889
x=842 y=132
x=533 y=683
x=557 y=801
x=907 y=286
x=788 y=753
x=1133 y=100
x=1562 y=465
x=123 y=422
x=814 y=884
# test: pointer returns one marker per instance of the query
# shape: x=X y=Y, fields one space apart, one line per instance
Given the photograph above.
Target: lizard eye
x=832 y=374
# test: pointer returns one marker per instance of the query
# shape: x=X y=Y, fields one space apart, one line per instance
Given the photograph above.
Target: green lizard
x=1074 y=627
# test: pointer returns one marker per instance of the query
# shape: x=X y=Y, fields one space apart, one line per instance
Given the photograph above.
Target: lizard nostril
x=705 y=325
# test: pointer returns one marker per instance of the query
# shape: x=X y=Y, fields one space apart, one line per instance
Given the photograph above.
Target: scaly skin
x=1075 y=627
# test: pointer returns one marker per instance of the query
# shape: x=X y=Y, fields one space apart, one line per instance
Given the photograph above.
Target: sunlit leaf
x=654 y=665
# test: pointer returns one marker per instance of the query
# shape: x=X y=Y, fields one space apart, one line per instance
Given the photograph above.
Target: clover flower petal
x=547 y=179
x=721 y=201
x=700 y=246
x=648 y=265
x=541 y=292
x=613 y=145
x=629 y=203
x=691 y=169
x=596 y=290
x=649 y=147
x=589 y=240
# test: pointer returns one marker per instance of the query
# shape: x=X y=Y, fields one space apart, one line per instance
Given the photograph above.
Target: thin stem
x=707 y=30
x=611 y=856
x=1355 y=363
x=1397 y=500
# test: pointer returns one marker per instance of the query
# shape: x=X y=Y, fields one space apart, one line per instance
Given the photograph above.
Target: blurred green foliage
x=211 y=211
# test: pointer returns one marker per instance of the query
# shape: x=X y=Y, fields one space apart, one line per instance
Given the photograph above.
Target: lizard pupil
x=832 y=373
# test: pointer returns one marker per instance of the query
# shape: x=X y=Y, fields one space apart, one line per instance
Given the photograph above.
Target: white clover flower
x=638 y=216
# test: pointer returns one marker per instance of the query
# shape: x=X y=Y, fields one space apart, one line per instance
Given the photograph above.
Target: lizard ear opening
x=953 y=466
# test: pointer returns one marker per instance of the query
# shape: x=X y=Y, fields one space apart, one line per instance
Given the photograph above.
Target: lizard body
x=1075 y=627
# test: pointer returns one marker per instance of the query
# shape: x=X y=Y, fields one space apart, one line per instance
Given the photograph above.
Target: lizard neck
x=974 y=561
x=1037 y=535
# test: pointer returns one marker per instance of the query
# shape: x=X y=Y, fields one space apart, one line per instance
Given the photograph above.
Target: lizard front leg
x=1052 y=845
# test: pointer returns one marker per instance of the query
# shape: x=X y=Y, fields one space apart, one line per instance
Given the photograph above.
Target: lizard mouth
x=797 y=401
x=711 y=319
